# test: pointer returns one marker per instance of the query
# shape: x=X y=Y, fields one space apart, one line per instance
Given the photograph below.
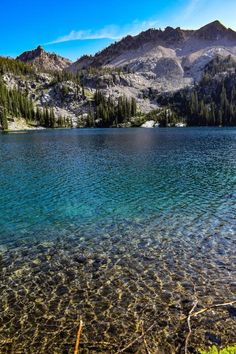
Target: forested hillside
x=17 y=103
x=68 y=99
x=212 y=102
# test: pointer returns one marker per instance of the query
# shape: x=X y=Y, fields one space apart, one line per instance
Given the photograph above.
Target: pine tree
x=83 y=92
x=52 y=121
x=133 y=107
x=4 y=121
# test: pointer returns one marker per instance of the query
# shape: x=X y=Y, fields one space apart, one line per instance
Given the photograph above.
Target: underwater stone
x=61 y=290
x=213 y=338
x=232 y=311
x=80 y=259
x=70 y=275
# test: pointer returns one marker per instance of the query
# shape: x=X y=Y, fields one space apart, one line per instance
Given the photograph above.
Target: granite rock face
x=148 y=124
x=65 y=97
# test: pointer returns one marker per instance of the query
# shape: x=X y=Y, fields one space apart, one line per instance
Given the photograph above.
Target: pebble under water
x=122 y=228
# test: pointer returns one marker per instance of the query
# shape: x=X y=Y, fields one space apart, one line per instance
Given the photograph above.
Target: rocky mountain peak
x=43 y=60
x=39 y=50
x=214 y=31
x=31 y=54
x=161 y=43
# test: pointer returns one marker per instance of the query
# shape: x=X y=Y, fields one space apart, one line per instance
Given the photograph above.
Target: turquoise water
x=122 y=228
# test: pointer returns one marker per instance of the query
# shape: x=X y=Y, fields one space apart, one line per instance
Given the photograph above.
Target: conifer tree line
x=212 y=102
x=209 y=105
x=111 y=113
x=92 y=70
x=165 y=117
x=219 y=65
x=16 y=104
x=60 y=76
x=218 y=110
x=16 y=67
x=46 y=118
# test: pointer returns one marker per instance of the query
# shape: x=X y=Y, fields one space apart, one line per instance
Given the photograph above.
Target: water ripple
x=122 y=228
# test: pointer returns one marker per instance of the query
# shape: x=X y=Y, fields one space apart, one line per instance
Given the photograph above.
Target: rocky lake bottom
x=124 y=229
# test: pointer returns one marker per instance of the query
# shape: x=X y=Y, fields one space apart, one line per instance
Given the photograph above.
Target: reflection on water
x=122 y=228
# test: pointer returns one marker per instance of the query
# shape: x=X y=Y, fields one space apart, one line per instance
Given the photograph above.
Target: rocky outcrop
x=148 y=124
x=84 y=62
x=43 y=60
x=65 y=97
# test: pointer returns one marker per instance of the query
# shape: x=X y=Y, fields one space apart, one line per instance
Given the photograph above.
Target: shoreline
x=83 y=128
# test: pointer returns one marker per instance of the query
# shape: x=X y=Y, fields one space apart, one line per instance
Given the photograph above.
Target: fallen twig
x=189 y=326
x=76 y=351
x=208 y=308
x=214 y=306
x=144 y=340
x=194 y=314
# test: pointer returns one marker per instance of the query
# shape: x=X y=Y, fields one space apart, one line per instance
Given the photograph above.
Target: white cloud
x=191 y=8
x=112 y=32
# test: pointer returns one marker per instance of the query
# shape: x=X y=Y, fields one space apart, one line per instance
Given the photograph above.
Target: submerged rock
x=61 y=290
x=213 y=338
x=80 y=259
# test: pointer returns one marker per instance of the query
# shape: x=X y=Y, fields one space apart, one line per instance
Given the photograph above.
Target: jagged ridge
x=43 y=60
x=193 y=40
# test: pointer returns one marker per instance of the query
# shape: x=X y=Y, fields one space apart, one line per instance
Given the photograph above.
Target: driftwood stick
x=194 y=314
x=145 y=341
x=76 y=351
x=189 y=327
x=208 y=308
x=212 y=307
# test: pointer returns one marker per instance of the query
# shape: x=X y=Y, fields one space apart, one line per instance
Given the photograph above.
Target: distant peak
x=43 y=59
x=216 y=22
x=39 y=48
x=213 y=31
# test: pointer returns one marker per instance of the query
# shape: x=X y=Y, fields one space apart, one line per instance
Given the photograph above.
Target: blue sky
x=75 y=27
